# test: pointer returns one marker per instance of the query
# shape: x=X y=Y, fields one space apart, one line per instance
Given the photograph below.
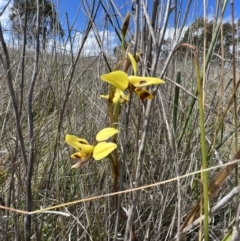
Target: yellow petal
x=139 y=81
x=102 y=149
x=106 y=133
x=105 y=96
x=117 y=78
x=143 y=94
x=75 y=141
x=133 y=62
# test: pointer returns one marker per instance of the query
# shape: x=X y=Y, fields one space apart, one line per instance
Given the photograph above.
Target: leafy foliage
x=195 y=35
x=23 y=10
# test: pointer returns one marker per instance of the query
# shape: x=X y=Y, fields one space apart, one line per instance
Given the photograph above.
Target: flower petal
x=133 y=62
x=117 y=78
x=106 y=133
x=139 y=81
x=143 y=94
x=75 y=141
x=102 y=149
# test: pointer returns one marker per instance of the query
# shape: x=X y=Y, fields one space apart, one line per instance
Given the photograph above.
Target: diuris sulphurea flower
x=86 y=151
x=122 y=81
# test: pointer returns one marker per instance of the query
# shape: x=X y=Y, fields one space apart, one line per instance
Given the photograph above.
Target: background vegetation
x=50 y=88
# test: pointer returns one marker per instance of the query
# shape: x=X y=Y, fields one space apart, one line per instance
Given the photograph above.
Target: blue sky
x=75 y=10
x=71 y=6
x=123 y=6
x=77 y=17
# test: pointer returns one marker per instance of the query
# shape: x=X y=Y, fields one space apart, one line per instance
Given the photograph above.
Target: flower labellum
x=143 y=94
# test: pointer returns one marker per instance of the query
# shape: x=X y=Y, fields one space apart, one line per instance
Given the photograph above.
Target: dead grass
x=69 y=102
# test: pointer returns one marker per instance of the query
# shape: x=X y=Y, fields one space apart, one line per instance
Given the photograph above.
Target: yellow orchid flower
x=121 y=80
x=85 y=150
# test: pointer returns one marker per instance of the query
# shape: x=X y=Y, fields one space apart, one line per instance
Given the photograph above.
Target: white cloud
x=91 y=47
x=226 y=18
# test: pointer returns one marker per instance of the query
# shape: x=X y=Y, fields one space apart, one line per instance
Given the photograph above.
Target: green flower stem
x=203 y=146
x=203 y=140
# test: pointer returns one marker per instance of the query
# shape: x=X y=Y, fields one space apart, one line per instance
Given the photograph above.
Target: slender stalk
x=24 y=40
x=235 y=108
x=201 y=98
x=31 y=160
x=234 y=77
x=203 y=148
x=220 y=94
x=176 y=100
x=8 y=73
x=203 y=139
